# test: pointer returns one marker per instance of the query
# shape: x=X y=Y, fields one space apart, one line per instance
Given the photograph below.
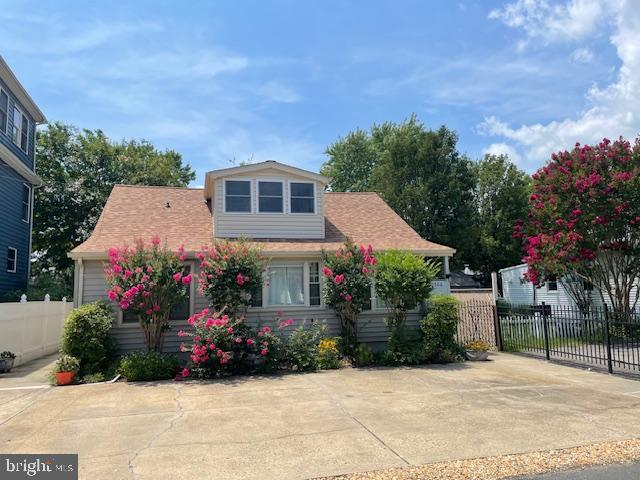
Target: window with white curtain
x=286 y=285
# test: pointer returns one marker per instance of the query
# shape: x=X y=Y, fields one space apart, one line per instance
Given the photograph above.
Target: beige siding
x=268 y=225
x=129 y=336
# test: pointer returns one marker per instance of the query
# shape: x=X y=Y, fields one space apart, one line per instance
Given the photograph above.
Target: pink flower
x=156 y=308
x=209 y=323
x=250 y=341
x=238 y=340
x=138 y=270
x=266 y=329
x=149 y=311
x=230 y=330
x=155 y=240
x=127 y=274
x=327 y=272
x=185 y=373
x=187 y=279
x=113 y=296
x=264 y=352
x=177 y=276
x=182 y=333
x=117 y=268
x=347 y=297
x=240 y=279
x=124 y=305
x=339 y=279
x=149 y=269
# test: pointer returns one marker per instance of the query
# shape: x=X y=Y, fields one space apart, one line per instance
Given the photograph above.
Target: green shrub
x=403 y=281
x=148 y=366
x=93 y=378
x=86 y=336
x=329 y=353
x=439 y=328
x=66 y=363
x=301 y=351
x=363 y=355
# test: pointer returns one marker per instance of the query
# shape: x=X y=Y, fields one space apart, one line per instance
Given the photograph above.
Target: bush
x=301 y=350
x=66 y=363
x=328 y=353
x=439 y=327
x=86 y=336
x=148 y=366
x=403 y=280
x=363 y=355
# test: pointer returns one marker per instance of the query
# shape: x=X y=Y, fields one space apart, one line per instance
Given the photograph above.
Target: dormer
x=266 y=200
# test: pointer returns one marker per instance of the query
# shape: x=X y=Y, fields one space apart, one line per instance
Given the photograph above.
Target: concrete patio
x=310 y=425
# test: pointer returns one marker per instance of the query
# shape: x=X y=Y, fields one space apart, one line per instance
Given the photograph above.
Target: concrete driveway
x=309 y=425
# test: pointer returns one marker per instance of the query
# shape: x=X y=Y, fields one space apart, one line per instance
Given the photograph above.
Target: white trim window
x=4 y=111
x=237 y=196
x=291 y=284
x=302 y=197
x=270 y=196
x=26 y=203
x=12 y=260
x=20 y=133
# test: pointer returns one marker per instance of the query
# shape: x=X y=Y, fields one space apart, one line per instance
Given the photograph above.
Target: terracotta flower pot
x=65 y=378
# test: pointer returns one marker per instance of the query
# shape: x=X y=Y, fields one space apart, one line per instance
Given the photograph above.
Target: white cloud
x=582 y=55
x=611 y=111
x=503 y=149
x=278 y=92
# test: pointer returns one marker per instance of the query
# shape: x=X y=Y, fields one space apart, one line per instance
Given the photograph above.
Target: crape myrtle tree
x=584 y=220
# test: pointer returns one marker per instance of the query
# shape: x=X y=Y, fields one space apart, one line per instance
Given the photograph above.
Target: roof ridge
x=157 y=186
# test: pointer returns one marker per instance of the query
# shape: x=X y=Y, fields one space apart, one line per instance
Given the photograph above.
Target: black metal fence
x=596 y=338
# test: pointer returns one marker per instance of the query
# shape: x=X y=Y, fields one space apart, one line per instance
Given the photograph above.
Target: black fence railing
x=597 y=338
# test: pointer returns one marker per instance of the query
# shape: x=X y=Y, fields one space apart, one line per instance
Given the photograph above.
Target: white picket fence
x=32 y=329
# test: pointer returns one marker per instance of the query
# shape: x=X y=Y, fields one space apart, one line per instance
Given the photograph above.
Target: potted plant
x=477 y=350
x=66 y=369
x=6 y=361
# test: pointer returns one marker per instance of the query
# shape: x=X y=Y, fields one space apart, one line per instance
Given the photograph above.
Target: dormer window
x=270 y=197
x=302 y=197
x=237 y=196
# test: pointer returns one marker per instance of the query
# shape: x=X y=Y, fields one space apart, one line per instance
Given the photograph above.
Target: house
x=284 y=209
x=19 y=116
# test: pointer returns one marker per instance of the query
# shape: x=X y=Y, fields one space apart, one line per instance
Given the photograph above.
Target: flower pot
x=65 y=378
x=6 y=364
x=477 y=355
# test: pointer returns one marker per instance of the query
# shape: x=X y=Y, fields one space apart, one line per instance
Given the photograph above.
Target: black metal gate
x=595 y=338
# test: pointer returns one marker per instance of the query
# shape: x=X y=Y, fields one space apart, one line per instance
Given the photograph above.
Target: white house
x=283 y=209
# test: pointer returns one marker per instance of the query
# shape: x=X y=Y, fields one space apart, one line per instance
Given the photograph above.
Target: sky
x=248 y=80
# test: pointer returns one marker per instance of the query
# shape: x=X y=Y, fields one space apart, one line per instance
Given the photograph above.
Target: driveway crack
x=170 y=425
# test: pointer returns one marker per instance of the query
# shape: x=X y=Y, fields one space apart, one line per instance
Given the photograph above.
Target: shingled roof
x=181 y=216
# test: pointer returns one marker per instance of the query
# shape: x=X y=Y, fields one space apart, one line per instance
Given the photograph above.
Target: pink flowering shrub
x=223 y=345
x=347 y=288
x=584 y=219
x=147 y=281
x=231 y=275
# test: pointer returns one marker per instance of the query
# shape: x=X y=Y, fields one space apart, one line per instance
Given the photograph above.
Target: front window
x=12 y=260
x=4 y=109
x=270 y=197
x=26 y=202
x=286 y=285
x=20 y=129
x=302 y=197
x=314 y=283
x=237 y=196
x=552 y=284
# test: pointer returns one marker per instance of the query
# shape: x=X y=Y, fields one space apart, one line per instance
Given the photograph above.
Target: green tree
x=79 y=169
x=501 y=197
x=418 y=172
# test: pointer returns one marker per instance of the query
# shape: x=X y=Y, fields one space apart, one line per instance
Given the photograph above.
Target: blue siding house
x=19 y=116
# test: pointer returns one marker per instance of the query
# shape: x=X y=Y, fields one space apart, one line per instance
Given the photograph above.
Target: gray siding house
x=19 y=116
x=283 y=209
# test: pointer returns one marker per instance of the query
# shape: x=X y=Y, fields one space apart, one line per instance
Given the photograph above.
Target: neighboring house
x=464 y=279
x=19 y=116
x=519 y=291
x=284 y=209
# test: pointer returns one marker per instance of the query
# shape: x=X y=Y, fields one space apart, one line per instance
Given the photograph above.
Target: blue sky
x=283 y=79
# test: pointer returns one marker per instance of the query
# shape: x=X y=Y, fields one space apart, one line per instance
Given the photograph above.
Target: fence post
x=545 y=331
x=607 y=339
x=497 y=326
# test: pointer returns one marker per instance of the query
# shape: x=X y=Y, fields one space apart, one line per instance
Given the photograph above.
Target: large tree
x=420 y=174
x=79 y=168
x=501 y=197
x=584 y=220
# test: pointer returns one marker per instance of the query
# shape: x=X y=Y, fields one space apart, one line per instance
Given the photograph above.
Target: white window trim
x=22 y=115
x=270 y=180
x=28 y=220
x=315 y=198
x=6 y=128
x=15 y=260
x=192 y=302
x=224 y=195
x=307 y=306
